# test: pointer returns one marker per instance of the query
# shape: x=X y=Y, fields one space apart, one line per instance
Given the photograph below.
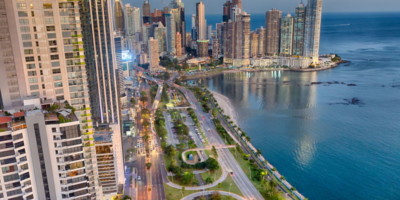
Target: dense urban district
x=95 y=104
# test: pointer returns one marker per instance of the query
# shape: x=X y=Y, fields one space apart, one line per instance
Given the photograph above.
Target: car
x=138 y=178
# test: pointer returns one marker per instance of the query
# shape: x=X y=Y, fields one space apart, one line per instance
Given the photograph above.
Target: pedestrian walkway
x=210 y=192
x=203 y=187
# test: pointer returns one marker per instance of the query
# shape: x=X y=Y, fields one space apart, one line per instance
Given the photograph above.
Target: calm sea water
x=327 y=149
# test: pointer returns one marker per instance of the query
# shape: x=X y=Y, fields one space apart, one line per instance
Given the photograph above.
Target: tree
x=216 y=196
x=209 y=180
x=174 y=169
x=170 y=151
x=212 y=164
x=148 y=165
x=187 y=178
x=144 y=99
x=214 y=150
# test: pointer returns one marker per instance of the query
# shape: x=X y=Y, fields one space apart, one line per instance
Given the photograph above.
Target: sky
x=260 y=6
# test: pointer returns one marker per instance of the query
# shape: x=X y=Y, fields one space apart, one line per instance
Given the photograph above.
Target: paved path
x=215 y=183
x=172 y=139
x=198 y=150
x=210 y=192
x=248 y=190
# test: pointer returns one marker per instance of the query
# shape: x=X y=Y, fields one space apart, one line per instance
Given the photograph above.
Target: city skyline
x=287 y=6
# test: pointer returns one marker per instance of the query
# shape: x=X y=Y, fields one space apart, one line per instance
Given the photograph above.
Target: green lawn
x=245 y=165
x=215 y=175
x=175 y=194
x=226 y=185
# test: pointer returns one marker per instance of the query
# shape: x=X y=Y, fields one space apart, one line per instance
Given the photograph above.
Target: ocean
x=326 y=145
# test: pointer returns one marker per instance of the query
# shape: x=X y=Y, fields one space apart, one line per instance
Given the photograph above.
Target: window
x=48 y=13
x=69 y=55
x=49 y=21
x=59 y=91
x=58 y=84
x=21 y=5
x=28 y=52
x=27 y=44
x=54 y=57
x=30 y=59
x=56 y=78
x=12 y=176
x=17 y=136
x=22 y=14
x=66 y=34
x=50 y=28
x=67 y=42
x=34 y=87
x=51 y=35
x=24 y=21
x=25 y=29
x=26 y=36
x=56 y=71
x=47 y=6
x=55 y=64
x=30 y=66
x=32 y=73
x=32 y=80
x=9 y=169
x=53 y=50
x=52 y=42
x=60 y=98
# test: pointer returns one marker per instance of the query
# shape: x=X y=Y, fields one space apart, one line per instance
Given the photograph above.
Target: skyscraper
x=119 y=17
x=237 y=38
x=146 y=11
x=42 y=153
x=178 y=44
x=313 y=29
x=102 y=66
x=261 y=42
x=171 y=32
x=299 y=25
x=227 y=7
x=237 y=3
x=273 y=19
x=154 y=56
x=160 y=35
x=43 y=56
x=178 y=10
x=286 y=45
x=201 y=25
x=194 y=28
x=132 y=20
x=254 y=42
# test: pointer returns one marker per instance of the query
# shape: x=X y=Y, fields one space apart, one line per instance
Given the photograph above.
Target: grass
x=215 y=175
x=175 y=194
x=245 y=165
x=224 y=186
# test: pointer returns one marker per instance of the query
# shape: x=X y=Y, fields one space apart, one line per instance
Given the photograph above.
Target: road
x=158 y=177
x=225 y=157
x=142 y=184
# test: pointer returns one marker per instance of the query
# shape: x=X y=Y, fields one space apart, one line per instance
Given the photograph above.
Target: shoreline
x=226 y=105
x=215 y=73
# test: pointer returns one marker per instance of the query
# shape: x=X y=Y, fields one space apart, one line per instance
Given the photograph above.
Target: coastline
x=228 y=109
x=215 y=73
x=226 y=105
